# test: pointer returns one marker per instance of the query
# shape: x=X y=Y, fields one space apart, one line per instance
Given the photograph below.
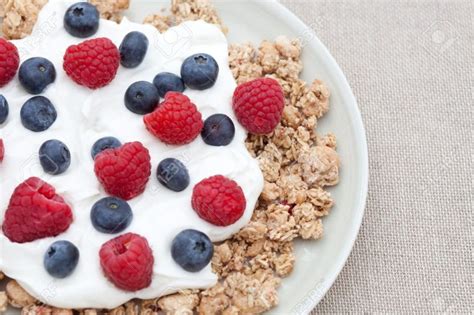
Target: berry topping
x=133 y=49
x=168 y=82
x=61 y=259
x=3 y=109
x=55 y=157
x=219 y=130
x=36 y=74
x=258 y=105
x=9 y=61
x=2 y=150
x=92 y=63
x=103 y=144
x=35 y=211
x=38 y=114
x=127 y=261
x=219 y=200
x=176 y=121
x=111 y=215
x=142 y=98
x=173 y=174
x=192 y=250
x=81 y=20
x=200 y=71
x=124 y=171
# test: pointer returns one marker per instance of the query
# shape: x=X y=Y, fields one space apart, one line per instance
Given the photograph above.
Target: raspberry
x=2 y=150
x=93 y=63
x=124 y=171
x=35 y=211
x=258 y=105
x=9 y=61
x=127 y=261
x=219 y=200
x=176 y=120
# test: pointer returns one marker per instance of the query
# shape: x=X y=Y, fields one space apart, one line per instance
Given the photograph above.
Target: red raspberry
x=35 y=211
x=127 y=261
x=2 y=150
x=9 y=61
x=219 y=200
x=176 y=120
x=124 y=171
x=93 y=63
x=258 y=105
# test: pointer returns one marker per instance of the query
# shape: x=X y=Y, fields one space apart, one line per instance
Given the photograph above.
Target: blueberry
x=142 y=98
x=104 y=144
x=55 y=157
x=38 y=114
x=3 y=109
x=61 y=259
x=133 y=49
x=219 y=130
x=36 y=74
x=192 y=250
x=200 y=71
x=173 y=174
x=166 y=82
x=82 y=20
x=111 y=215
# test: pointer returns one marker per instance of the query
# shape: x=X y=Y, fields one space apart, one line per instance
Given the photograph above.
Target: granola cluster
x=111 y=9
x=185 y=10
x=296 y=162
x=19 y=16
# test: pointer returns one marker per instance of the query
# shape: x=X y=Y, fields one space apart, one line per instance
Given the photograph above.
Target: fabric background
x=411 y=67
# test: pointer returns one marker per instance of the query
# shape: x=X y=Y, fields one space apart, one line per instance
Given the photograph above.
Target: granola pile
x=185 y=10
x=297 y=164
x=19 y=16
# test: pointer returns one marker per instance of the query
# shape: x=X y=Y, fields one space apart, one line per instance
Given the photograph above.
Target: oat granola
x=297 y=164
x=185 y=10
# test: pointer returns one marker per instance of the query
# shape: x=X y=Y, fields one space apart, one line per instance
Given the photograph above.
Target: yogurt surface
x=86 y=115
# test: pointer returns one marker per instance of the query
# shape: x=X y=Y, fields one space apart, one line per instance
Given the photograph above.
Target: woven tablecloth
x=411 y=66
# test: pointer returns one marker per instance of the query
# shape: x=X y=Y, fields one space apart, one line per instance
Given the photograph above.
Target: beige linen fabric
x=411 y=66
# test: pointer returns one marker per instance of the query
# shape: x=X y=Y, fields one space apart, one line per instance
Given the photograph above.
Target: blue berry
x=219 y=130
x=192 y=250
x=82 y=20
x=104 y=144
x=3 y=109
x=36 y=74
x=61 y=259
x=173 y=174
x=55 y=157
x=133 y=49
x=166 y=82
x=200 y=71
x=111 y=215
x=142 y=98
x=38 y=114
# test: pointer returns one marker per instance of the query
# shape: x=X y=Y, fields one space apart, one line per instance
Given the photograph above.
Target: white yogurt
x=86 y=115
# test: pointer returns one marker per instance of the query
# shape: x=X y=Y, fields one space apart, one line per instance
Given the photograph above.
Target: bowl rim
x=276 y=8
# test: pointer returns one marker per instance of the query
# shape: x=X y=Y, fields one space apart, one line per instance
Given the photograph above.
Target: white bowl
x=317 y=262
